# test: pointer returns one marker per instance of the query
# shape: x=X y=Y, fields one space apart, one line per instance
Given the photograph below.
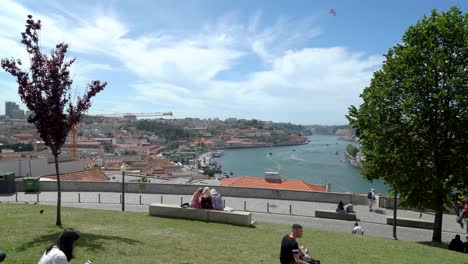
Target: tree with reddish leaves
x=45 y=89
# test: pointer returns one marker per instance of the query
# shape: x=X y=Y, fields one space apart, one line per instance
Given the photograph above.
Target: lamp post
x=123 y=169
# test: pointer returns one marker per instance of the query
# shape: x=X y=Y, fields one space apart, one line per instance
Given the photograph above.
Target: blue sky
x=288 y=61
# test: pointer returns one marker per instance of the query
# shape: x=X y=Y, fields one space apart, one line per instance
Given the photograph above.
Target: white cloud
x=180 y=71
x=184 y=60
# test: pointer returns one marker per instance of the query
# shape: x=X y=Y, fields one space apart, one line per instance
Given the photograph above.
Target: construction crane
x=148 y=114
x=124 y=115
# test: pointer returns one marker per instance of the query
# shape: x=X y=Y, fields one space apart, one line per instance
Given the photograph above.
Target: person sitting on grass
x=2 y=256
x=358 y=230
x=217 y=200
x=349 y=208
x=62 y=251
x=465 y=245
x=206 y=200
x=290 y=251
x=340 y=208
x=456 y=244
x=195 y=202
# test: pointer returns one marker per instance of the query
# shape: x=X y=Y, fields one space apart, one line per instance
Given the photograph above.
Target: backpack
x=308 y=260
x=369 y=195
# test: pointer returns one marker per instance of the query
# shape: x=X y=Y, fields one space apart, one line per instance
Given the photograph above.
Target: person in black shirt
x=2 y=256
x=465 y=245
x=290 y=250
x=456 y=244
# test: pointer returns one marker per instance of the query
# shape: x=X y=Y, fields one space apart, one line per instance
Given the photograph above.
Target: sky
x=281 y=61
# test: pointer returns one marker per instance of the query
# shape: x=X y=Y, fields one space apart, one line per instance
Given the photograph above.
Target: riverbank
x=243 y=144
x=355 y=161
x=264 y=145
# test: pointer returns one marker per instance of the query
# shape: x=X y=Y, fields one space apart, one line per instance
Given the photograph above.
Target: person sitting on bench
x=340 y=208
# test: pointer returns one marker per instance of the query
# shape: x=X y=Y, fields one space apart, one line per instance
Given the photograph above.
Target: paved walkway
x=264 y=210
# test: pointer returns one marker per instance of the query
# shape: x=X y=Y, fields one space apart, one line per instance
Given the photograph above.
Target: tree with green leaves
x=352 y=150
x=108 y=147
x=413 y=121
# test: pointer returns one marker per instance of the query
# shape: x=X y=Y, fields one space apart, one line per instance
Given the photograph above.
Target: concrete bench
x=240 y=218
x=335 y=215
x=409 y=222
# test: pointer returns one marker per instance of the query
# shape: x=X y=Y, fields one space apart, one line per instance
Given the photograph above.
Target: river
x=322 y=161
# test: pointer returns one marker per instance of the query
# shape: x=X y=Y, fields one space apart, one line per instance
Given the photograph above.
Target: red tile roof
x=295 y=185
x=208 y=141
x=90 y=175
x=24 y=136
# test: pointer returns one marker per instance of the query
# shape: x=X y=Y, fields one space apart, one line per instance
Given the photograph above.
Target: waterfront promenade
x=264 y=210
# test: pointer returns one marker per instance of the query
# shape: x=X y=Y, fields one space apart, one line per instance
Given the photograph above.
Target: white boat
x=218 y=153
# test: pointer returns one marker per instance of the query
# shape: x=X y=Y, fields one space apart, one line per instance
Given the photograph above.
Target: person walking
x=371 y=198
x=463 y=213
x=62 y=251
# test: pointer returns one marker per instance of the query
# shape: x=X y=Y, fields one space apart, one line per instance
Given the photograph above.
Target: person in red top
x=196 y=197
x=463 y=213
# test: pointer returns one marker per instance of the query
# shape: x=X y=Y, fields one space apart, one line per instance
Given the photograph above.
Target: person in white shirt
x=358 y=230
x=62 y=251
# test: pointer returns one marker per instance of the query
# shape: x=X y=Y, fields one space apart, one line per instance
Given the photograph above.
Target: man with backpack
x=371 y=198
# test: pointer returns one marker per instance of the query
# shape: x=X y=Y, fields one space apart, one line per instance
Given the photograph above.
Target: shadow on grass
x=91 y=242
x=441 y=245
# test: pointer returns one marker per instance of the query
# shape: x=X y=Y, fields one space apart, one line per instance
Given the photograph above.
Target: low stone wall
x=387 y=202
x=335 y=215
x=188 y=189
x=175 y=211
x=409 y=222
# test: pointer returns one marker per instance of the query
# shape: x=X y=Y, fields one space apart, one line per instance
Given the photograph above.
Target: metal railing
x=134 y=199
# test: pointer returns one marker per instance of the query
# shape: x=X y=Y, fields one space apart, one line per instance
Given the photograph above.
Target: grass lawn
x=116 y=237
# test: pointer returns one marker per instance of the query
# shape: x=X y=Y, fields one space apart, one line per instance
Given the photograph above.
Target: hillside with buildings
x=157 y=148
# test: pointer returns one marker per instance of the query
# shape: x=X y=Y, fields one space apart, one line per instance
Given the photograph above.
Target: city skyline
x=285 y=62
x=13 y=111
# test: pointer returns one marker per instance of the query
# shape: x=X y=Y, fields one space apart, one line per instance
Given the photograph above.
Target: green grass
x=116 y=237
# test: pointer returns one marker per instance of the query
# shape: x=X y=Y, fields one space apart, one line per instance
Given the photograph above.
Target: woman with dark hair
x=62 y=251
x=340 y=207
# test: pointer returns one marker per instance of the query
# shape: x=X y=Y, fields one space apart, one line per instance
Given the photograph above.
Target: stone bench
x=240 y=218
x=335 y=215
x=409 y=222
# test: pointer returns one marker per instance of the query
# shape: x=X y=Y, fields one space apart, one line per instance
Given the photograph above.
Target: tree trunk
x=437 y=231
x=394 y=215
x=58 y=221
